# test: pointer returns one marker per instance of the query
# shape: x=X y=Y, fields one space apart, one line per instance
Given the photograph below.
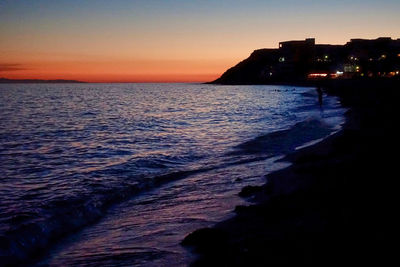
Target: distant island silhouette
x=304 y=61
x=5 y=80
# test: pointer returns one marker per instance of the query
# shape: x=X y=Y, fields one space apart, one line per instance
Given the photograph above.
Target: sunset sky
x=170 y=40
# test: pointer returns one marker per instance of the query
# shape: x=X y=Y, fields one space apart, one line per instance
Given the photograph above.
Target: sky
x=170 y=40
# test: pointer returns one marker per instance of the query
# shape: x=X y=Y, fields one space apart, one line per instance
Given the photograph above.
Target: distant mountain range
x=5 y=80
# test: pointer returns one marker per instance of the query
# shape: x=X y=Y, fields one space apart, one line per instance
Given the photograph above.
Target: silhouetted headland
x=5 y=80
x=304 y=62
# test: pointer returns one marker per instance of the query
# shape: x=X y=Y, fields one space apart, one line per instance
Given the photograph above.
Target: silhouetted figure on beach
x=319 y=91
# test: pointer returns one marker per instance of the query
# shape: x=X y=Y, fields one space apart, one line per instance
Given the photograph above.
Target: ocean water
x=118 y=174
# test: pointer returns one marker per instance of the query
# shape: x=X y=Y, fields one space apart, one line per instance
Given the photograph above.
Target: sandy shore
x=337 y=202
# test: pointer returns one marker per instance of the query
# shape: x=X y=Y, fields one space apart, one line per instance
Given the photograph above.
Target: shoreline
x=334 y=204
x=30 y=244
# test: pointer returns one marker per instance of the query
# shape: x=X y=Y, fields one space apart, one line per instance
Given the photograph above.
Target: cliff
x=304 y=62
x=253 y=70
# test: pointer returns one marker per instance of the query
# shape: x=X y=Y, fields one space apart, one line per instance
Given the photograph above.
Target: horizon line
x=60 y=80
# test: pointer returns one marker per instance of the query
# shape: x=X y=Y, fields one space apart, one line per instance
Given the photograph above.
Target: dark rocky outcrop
x=253 y=70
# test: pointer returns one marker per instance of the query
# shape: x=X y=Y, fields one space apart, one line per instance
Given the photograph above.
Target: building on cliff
x=304 y=59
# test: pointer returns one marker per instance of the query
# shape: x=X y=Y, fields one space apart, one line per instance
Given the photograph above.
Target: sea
x=119 y=174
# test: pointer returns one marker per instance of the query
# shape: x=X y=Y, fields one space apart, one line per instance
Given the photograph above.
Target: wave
x=65 y=216
x=285 y=141
x=34 y=234
x=69 y=215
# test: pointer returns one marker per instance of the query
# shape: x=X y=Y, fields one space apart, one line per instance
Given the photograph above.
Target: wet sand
x=336 y=203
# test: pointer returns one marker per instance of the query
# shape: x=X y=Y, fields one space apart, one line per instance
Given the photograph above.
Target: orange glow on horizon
x=162 y=78
x=118 y=71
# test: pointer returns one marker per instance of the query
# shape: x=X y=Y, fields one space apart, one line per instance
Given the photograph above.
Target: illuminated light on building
x=371 y=59
x=282 y=59
x=326 y=58
x=397 y=72
x=317 y=75
x=398 y=55
x=383 y=56
x=336 y=75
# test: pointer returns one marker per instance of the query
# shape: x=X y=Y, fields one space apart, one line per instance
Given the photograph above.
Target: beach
x=335 y=203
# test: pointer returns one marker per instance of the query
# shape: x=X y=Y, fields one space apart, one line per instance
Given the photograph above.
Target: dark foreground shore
x=337 y=202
